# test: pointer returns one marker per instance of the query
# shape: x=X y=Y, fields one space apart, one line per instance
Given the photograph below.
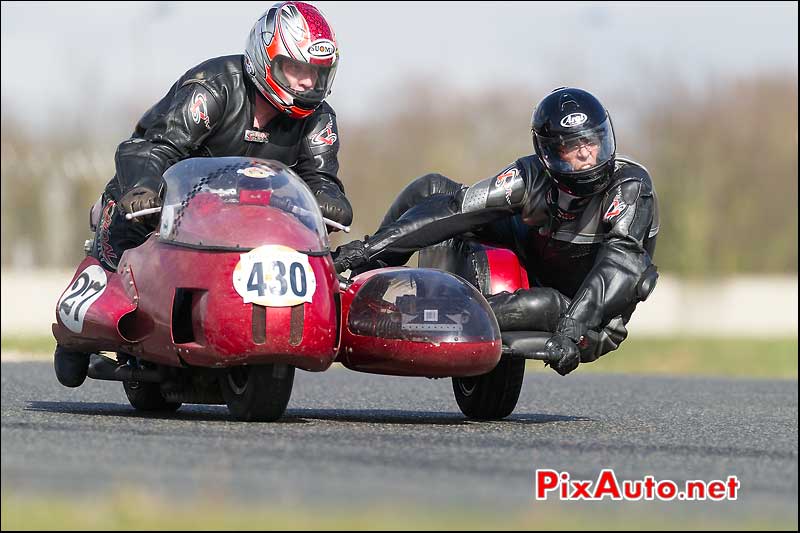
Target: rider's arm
x=170 y=131
x=623 y=273
x=442 y=216
x=318 y=165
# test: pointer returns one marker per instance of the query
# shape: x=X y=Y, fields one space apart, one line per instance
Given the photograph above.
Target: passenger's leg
x=417 y=191
x=536 y=309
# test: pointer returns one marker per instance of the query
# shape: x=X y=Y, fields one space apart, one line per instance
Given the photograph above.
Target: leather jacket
x=209 y=112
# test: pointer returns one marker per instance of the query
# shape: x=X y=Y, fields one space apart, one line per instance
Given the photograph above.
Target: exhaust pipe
x=102 y=367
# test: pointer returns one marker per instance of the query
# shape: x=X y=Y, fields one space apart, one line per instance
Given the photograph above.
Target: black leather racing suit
x=589 y=259
x=209 y=112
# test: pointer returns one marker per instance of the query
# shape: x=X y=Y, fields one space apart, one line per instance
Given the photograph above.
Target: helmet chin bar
x=292 y=110
x=585 y=184
x=299 y=108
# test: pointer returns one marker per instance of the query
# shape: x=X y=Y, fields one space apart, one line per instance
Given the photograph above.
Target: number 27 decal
x=80 y=296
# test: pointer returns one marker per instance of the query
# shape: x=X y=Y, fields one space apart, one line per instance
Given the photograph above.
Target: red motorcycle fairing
x=417 y=322
x=505 y=271
x=90 y=309
x=239 y=272
x=188 y=294
x=488 y=268
x=194 y=313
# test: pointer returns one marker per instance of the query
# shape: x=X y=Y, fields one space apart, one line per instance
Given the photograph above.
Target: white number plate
x=80 y=296
x=274 y=276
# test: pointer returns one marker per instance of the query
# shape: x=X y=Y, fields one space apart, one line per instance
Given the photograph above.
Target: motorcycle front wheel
x=491 y=396
x=148 y=397
x=257 y=393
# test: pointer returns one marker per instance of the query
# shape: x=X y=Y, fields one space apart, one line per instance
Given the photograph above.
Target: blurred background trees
x=724 y=163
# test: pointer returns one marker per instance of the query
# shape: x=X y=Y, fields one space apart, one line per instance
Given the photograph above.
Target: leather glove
x=349 y=256
x=571 y=328
x=564 y=354
x=334 y=205
x=140 y=198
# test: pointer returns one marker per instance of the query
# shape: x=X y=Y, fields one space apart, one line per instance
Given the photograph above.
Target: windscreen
x=239 y=203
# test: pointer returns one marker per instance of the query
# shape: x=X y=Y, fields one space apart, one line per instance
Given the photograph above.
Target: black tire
x=491 y=396
x=257 y=393
x=70 y=367
x=148 y=397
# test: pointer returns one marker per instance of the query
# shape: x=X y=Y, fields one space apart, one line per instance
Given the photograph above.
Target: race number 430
x=274 y=276
x=80 y=296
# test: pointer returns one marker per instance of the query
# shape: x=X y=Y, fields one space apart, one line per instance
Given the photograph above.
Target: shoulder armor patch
x=627 y=170
x=625 y=160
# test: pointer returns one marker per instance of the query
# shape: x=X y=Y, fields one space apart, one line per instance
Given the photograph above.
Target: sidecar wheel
x=148 y=397
x=71 y=367
x=258 y=393
x=491 y=396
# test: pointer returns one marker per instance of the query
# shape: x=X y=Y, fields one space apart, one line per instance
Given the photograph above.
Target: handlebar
x=286 y=207
x=143 y=212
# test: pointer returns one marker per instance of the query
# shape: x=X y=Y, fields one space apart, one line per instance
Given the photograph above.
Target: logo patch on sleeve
x=617 y=207
x=326 y=136
x=506 y=180
x=198 y=109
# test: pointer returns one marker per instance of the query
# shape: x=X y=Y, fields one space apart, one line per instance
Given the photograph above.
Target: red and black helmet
x=291 y=56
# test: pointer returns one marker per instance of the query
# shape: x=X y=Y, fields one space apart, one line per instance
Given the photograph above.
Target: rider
x=267 y=103
x=582 y=220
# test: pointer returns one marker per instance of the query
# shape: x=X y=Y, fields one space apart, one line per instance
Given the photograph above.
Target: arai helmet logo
x=249 y=66
x=573 y=119
x=322 y=48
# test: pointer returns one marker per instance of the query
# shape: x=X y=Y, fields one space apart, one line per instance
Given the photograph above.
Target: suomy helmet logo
x=573 y=119
x=322 y=48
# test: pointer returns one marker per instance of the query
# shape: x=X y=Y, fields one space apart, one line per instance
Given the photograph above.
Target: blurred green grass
x=37 y=346
x=138 y=510
x=723 y=357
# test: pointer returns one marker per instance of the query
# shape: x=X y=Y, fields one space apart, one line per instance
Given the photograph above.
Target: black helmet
x=574 y=138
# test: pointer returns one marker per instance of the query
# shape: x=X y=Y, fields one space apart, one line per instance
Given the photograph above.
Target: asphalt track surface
x=352 y=439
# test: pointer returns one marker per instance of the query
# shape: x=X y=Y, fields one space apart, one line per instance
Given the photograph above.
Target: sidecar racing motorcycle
x=236 y=289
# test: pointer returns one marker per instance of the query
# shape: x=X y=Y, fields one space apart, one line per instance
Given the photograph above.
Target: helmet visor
x=304 y=81
x=578 y=152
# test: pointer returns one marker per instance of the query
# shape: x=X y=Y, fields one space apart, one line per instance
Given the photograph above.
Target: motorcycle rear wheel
x=491 y=396
x=258 y=393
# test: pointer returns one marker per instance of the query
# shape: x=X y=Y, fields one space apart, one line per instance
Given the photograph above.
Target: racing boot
x=71 y=367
